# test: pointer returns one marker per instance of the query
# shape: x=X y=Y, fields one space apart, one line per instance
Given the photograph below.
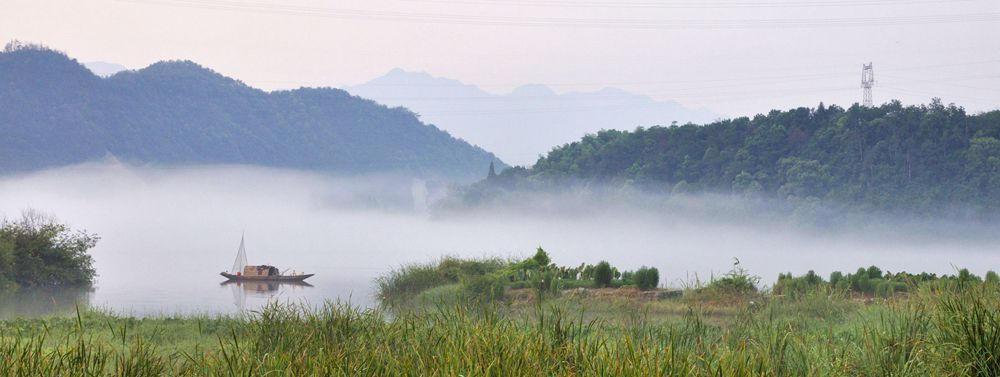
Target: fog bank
x=167 y=233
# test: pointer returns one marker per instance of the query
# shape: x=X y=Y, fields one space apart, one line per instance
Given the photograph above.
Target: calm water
x=167 y=233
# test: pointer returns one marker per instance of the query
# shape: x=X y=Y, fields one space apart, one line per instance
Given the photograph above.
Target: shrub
x=483 y=287
x=541 y=258
x=736 y=281
x=836 y=277
x=797 y=286
x=992 y=278
x=874 y=272
x=409 y=280
x=646 y=278
x=602 y=275
x=37 y=251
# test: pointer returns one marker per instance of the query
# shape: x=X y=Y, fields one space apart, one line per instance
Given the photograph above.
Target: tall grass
x=934 y=332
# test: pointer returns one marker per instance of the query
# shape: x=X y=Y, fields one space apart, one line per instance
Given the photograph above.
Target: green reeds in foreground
x=936 y=331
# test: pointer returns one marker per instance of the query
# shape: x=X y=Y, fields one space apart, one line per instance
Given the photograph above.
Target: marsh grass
x=951 y=332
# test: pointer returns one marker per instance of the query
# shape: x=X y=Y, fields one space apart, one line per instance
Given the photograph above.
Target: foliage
x=992 y=277
x=602 y=274
x=919 y=159
x=970 y=321
x=454 y=280
x=646 y=278
x=737 y=281
x=56 y=112
x=798 y=286
x=934 y=332
x=37 y=251
x=406 y=282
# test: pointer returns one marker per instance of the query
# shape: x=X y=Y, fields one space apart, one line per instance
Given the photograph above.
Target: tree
x=37 y=251
x=541 y=258
x=992 y=277
x=917 y=159
x=874 y=272
x=647 y=278
x=602 y=275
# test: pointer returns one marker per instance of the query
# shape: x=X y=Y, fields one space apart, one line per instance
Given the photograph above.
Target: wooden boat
x=288 y=278
x=243 y=272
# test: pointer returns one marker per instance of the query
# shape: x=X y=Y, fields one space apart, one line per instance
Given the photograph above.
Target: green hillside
x=55 y=112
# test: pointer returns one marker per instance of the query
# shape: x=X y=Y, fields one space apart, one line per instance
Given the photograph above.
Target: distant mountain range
x=527 y=122
x=104 y=69
x=54 y=112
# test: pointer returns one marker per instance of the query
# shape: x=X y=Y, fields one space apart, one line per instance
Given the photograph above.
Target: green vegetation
x=943 y=328
x=645 y=278
x=918 y=159
x=56 y=112
x=872 y=282
x=488 y=279
x=37 y=251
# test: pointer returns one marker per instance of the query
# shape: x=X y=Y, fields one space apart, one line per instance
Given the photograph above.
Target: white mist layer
x=167 y=233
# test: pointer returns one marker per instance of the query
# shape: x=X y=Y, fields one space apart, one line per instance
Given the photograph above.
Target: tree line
x=888 y=158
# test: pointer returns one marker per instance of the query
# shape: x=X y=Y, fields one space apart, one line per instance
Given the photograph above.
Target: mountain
x=531 y=120
x=104 y=69
x=57 y=112
x=921 y=159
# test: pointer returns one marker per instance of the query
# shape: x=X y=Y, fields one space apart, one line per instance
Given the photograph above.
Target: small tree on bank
x=602 y=275
x=647 y=278
x=37 y=251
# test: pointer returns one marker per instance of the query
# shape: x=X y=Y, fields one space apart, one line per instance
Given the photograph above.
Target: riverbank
x=948 y=331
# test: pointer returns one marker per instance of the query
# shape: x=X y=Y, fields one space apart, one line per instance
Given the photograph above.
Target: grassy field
x=942 y=329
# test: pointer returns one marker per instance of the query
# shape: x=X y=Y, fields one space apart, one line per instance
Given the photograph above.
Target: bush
x=483 y=287
x=646 y=278
x=736 y=281
x=409 y=280
x=602 y=275
x=874 y=272
x=541 y=258
x=836 y=277
x=37 y=251
x=992 y=278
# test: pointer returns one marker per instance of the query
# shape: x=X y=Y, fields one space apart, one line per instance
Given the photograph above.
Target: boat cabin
x=262 y=270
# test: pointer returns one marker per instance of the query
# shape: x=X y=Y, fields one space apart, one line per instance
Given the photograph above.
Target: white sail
x=241 y=258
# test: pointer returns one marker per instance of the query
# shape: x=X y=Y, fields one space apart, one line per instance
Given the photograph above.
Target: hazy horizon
x=735 y=59
x=157 y=222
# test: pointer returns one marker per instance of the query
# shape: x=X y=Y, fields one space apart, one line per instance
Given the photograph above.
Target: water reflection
x=262 y=290
x=37 y=302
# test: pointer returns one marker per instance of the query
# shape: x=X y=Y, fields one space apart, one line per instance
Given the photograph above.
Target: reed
x=951 y=332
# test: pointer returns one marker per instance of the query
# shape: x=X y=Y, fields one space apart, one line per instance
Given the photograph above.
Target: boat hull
x=266 y=278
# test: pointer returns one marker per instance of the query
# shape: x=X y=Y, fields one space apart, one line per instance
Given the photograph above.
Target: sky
x=736 y=58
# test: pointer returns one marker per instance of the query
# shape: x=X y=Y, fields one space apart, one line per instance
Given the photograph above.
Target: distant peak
x=181 y=68
x=104 y=69
x=538 y=90
x=399 y=73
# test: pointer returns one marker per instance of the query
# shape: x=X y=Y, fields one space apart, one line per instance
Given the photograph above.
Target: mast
x=241 y=258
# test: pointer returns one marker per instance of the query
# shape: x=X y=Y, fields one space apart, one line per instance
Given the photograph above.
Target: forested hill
x=885 y=158
x=55 y=112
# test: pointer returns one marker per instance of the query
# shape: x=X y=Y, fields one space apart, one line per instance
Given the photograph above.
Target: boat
x=243 y=272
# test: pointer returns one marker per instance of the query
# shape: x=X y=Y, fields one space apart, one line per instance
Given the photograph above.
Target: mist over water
x=166 y=233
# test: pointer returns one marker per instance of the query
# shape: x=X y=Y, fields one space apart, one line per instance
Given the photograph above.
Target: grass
x=935 y=331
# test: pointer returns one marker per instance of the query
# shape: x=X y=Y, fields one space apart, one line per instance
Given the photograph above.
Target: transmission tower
x=867 y=81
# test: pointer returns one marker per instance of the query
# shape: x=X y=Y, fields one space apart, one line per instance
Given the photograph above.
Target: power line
x=737 y=81
x=692 y=5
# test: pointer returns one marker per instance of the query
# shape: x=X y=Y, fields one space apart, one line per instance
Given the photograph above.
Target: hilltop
x=57 y=112
x=890 y=158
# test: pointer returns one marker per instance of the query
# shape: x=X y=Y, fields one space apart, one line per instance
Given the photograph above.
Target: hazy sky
x=733 y=57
